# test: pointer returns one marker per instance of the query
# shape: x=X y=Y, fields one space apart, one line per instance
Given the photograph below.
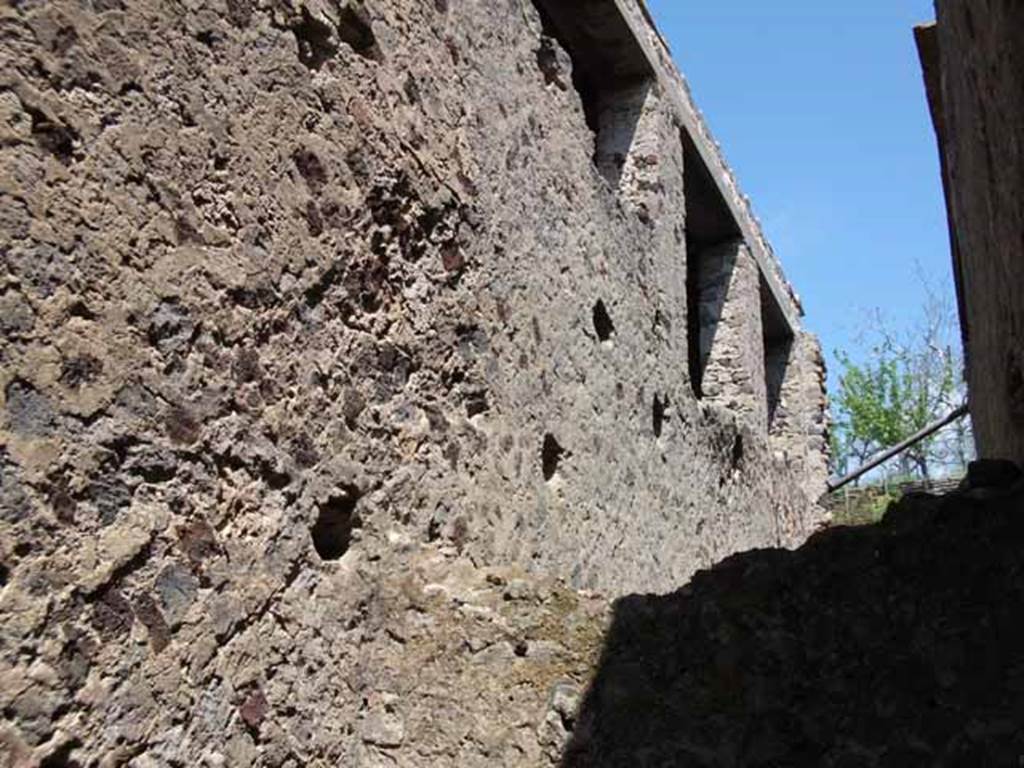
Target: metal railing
x=896 y=450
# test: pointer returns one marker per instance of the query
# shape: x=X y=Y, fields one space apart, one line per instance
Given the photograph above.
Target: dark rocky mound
x=898 y=644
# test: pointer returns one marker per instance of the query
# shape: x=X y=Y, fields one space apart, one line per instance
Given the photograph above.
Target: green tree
x=905 y=383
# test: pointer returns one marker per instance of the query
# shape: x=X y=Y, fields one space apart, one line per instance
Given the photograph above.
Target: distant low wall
x=860 y=505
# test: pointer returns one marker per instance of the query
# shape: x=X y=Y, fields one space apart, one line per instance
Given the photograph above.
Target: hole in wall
x=603 y=325
x=354 y=29
x=476 y=403
x=5 y=574
x=61 y=758
x=551 y=454
x=314 y=39
x=659 y=413
x=737 y=452
x=568 y=721
x=209 y=38
x=81 y=309
x=336 y=520
x=662 y=324
x=52 y=136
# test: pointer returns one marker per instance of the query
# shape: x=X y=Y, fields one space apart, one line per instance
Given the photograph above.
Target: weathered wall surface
x=798 y=416
x=447 y=664
x=291 y=291
x=981 y=72
x=732 y=338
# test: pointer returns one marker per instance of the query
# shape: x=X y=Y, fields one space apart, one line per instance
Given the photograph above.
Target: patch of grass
x=862 y=506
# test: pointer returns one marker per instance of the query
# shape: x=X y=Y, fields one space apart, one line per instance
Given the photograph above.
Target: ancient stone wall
x=798 y=417
x=297 y=295
x=732 y=348
x=974 y=61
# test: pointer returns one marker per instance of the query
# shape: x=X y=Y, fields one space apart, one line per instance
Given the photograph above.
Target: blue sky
x=820 y=109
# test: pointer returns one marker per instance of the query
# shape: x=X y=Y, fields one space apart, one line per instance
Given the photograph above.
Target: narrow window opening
x=710 y=226
x=778 y=344
x=336 y=520
x=610 y=72
x=603 y=326
x=659 y=414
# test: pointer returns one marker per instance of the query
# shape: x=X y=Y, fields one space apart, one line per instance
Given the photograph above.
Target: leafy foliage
x=905 y=383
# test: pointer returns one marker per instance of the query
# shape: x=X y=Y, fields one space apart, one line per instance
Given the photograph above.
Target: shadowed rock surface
x=976 y=73
x=898 y=644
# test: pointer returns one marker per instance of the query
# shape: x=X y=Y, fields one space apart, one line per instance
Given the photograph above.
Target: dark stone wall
x=981 y=127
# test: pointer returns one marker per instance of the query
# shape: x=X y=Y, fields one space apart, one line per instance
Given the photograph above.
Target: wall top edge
x=675 y=87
